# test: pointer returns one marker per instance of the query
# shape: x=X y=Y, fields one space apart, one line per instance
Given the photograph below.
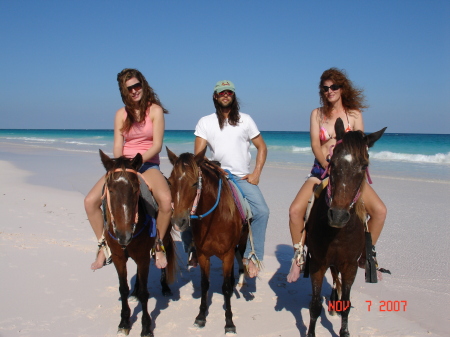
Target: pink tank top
x=139 y=139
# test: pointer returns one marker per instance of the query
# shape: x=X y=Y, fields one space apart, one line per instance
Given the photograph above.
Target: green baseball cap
x=224 y=85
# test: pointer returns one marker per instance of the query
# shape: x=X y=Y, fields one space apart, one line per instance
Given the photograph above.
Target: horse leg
x=239 y=252
x=337 y=289
x=143 y=263
x=204 y=262
x=227 y=290
x=121 y=267
x=348 y=277
x=133 y=296
x=239 y=258
x=315 y=307
x=165 y=287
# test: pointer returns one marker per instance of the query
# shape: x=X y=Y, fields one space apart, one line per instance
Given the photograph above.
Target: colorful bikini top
x=324 y=135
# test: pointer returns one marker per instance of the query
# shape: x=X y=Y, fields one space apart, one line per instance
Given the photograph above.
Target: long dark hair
x=148 y=98
x=352 y=97
x=233 y=116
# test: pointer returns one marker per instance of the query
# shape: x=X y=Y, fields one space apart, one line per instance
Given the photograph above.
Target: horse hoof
x=123 y=332
x=200 y=323
x=230 y=329
x=148 y=335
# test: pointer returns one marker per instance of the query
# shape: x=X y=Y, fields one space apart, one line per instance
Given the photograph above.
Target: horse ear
x=107 y=162
x=200 y=157
x=339 y=129
x=137 y=161
x=172 y=156
x=374 y=136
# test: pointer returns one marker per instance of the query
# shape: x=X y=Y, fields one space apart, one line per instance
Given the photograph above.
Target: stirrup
x=102 y=245
x=299 y=256
x=158 y=247
x=192 y=257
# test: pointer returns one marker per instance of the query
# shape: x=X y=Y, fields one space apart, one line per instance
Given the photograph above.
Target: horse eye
x=195 y=185
x=364 y=167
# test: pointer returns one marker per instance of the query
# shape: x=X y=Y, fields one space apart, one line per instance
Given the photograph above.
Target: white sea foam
x=290 y=148
x=439 y=158
x=301 y=149
x=84 y=143
x=33 y=139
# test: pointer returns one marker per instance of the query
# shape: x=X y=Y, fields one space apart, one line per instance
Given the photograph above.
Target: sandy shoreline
x=47 y=246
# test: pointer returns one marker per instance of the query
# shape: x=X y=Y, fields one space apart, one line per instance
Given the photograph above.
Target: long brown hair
x=352 y=97
x=233 y=116
x=148 y=98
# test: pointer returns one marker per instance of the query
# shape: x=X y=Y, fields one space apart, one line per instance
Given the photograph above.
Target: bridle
x=106 y=195
x=329 y=197
x=197 y=198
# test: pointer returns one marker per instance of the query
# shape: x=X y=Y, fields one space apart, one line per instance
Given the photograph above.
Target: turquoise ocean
x=422 y=156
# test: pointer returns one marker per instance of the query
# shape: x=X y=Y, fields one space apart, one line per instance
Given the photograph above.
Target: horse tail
x=171 y=255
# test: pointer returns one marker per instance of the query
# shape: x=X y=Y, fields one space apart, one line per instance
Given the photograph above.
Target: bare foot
x=252 y=270
x=294 y=273
x=99 y=261
x=160 y=260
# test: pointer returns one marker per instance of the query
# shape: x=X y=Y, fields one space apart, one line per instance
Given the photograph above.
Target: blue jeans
x=260 y=213
x=145 y=166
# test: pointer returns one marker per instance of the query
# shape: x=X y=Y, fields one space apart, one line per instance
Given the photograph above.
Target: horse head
x=347 y=171
x=122 y=193
x=184 y=182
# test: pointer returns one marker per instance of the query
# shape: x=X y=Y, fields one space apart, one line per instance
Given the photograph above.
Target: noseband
x=329 y=197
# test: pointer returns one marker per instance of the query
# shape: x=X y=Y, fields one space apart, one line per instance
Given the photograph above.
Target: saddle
x=240 y=201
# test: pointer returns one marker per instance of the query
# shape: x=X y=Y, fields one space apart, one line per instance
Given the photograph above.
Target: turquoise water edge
x=425 y=156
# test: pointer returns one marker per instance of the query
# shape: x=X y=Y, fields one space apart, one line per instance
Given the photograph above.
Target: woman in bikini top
x=340 y=99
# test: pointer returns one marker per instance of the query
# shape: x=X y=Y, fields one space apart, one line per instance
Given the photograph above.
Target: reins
x=197 y=198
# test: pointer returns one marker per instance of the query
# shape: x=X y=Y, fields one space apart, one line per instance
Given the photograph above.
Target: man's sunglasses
x=225 y=92
x=333 y=87
x=136 y=87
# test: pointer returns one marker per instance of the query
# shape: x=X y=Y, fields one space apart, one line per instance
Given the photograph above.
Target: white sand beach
x=47 y=246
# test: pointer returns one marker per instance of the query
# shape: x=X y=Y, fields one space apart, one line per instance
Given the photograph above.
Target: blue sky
x=59 y=59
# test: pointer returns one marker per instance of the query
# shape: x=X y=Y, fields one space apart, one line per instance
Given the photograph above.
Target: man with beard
x=229 y=133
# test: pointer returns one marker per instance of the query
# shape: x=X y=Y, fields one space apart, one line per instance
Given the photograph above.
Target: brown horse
x=128 y=235
x=335 y=228
x=218 y=228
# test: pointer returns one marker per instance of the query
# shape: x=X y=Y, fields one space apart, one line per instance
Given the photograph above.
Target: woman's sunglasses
x=136 y=86
x=333 y=87
x=225 y=92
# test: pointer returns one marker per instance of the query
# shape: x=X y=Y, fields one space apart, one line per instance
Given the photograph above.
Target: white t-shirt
x=231 y=145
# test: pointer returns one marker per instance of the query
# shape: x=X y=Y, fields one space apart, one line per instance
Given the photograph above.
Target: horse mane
x=354 y=143
x=210 y=172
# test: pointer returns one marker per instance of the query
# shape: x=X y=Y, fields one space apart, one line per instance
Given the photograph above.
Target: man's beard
x=228 y=105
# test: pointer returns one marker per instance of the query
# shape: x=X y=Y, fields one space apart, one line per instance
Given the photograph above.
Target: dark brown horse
x=335 y=228
x=128 y=235
x=216 y=228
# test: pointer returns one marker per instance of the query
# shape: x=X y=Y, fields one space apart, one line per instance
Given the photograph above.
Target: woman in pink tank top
x=138 y=128
x=340 y=99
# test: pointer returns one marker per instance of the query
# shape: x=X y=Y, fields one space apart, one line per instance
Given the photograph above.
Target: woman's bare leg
x=161 y=193
x=376 y=209
x=92 y=204
x=297 y=213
